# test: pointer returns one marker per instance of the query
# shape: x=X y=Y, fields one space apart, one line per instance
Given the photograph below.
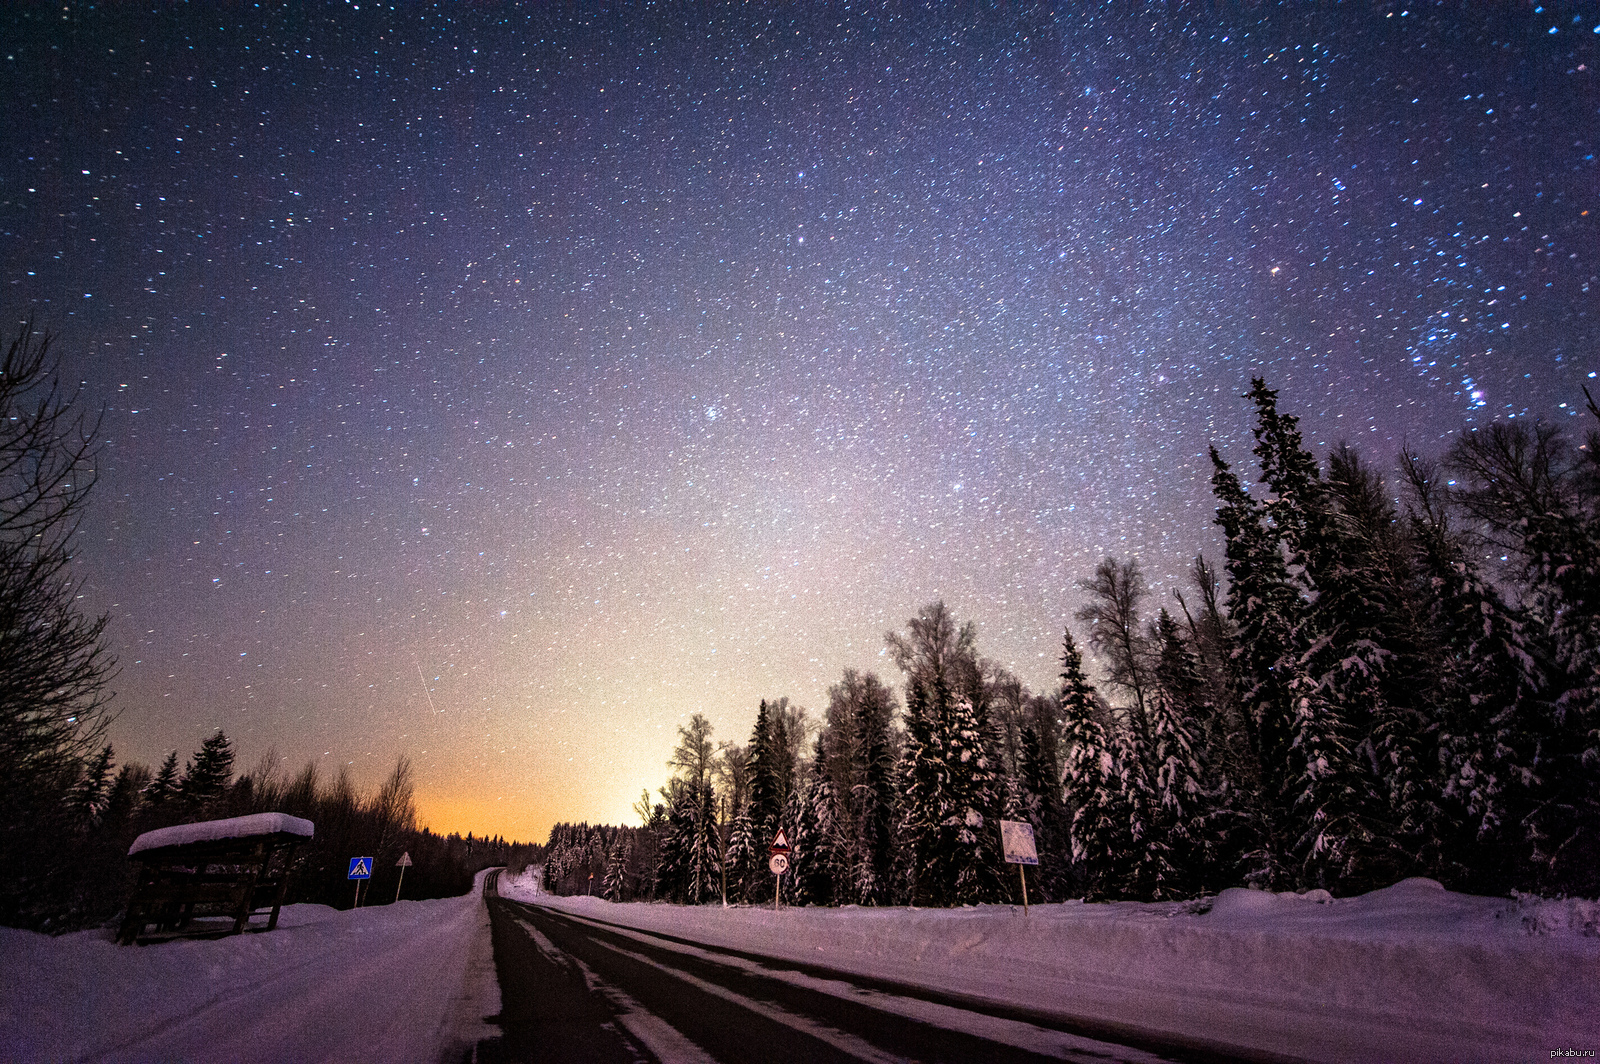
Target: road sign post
x=402 y=864
x=1016 y=839
x=778 y=863
x=360 y=871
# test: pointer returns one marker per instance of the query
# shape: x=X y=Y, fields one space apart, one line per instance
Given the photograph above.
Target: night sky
x=503 y=384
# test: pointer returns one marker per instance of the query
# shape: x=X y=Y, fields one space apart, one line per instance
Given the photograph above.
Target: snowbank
x=402 y=982
x=1412 y=972
x=238 y=827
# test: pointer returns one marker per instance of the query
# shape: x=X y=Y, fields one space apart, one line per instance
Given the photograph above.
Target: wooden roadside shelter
x=209 y=872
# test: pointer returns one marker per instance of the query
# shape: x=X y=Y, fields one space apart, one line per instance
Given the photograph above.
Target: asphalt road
x=576 y=989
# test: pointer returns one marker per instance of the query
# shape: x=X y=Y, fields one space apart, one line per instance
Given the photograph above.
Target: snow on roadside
x=401 y=982
x=1411 y=972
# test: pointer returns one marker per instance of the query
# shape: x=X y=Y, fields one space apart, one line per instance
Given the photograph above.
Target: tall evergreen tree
x=941 y=667
x=1491 y=685
x=1538 y=499
x=1265 y=610
x=1376 y=671
x=163 y=787
x=1183 y=806
x=87 y=799
x=969 y=831
x=206 y=778
x=816 y=863
x=858 y=752
x=1102 y=844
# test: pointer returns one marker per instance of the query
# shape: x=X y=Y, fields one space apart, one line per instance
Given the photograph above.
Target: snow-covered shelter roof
x=238 y=827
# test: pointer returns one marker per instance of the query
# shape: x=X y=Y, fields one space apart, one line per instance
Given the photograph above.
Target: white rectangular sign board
x=1016 y=839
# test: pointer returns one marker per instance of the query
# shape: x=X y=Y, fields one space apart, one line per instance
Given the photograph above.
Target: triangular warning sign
x=780 y=842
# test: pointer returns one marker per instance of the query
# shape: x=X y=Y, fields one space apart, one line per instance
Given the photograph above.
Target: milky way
x=501 y=385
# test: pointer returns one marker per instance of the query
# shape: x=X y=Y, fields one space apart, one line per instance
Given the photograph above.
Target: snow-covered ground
x=1409 y=973
x=398 y=982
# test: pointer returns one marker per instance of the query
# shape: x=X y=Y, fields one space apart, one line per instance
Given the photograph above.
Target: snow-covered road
x=1410 y=973
x=392 y=983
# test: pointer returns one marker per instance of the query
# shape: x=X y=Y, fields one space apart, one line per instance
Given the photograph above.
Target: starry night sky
x=503 y=384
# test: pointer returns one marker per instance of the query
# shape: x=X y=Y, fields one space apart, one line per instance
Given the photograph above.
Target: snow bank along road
x=1409 y=973
x=576 y=988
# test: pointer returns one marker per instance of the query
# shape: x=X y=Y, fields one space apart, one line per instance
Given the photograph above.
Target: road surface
x=577 y=989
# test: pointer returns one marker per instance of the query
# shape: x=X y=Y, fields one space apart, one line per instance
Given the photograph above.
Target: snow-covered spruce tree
x=923 y=775
x=616 y=881
x=1265 y=610
x=1339 y=818
x=969 y=835
x=1183 y=806
x=744 y=857
x=1538 y=499
x=859 y=750
x=674 y=874
x=1491 y=697
x=1102 y=845
x=816 y=865
x=941 y=667
x=771 y=773
x=705 y=857
x=1377 y=671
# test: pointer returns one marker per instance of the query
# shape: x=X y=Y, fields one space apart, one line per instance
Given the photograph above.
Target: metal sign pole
x=403 y=879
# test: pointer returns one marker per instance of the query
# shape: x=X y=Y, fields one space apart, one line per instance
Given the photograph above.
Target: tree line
x=68 y=812
x=1376 y=683
x=81 y=876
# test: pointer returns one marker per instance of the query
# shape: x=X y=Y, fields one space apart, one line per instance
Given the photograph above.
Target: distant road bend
x=579 y=989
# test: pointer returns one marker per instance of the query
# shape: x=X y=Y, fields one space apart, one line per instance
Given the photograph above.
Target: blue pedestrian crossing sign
x=360 y=868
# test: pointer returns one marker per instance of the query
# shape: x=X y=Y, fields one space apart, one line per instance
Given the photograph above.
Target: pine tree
x=941 y=667
x=1375 y=672
x=1539 y=501
x=1183 y=807
x=1098 y=823
x=164 y=786
x=1265 y=610
x=206 y=778
x=616 y=881
x=744 y=857
x=1491 y=718
x=969 y=831
x=87 y=799
x=859 y=756
x=816 y=857
x=771 y=773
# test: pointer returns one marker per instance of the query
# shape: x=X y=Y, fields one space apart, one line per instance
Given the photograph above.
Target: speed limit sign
x=778 y=863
